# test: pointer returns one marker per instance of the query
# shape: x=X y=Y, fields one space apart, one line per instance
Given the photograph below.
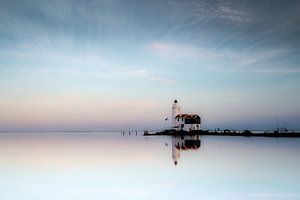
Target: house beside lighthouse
x=184 y=122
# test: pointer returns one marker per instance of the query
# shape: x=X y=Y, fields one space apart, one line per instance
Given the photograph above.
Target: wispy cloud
x=249 y=59
x=163 y=80
x=181 y=51
x=138 y=73
x=220 y=10
x=145 y=74
x=224 y=59
x=282 y=70
x=227 y=12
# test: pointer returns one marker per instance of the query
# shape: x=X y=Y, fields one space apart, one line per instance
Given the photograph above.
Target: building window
x=178 y=119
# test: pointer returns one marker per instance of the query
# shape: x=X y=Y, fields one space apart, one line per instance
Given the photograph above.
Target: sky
x=119 y=64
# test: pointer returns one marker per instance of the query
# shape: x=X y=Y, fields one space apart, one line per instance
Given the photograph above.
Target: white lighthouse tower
x=176 y=110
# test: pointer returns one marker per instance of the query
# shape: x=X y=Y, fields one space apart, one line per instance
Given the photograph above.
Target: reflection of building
x=184 y=122
x=181 y=143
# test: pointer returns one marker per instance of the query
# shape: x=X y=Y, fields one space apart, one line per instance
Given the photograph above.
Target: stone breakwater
x=246 y=133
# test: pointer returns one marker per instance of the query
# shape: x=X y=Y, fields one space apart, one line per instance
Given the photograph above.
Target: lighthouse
x=176 y=110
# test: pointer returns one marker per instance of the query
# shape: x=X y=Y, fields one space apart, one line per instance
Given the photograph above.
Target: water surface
x=81 y=166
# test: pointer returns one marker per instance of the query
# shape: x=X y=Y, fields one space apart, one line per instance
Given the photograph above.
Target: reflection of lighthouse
x=183 y=143
x=176 y=110
x=175 y=151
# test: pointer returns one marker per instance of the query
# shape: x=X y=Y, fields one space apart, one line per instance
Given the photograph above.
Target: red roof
x=186 y=116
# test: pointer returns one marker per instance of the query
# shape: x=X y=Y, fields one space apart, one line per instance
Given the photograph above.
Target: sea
x=117 y=165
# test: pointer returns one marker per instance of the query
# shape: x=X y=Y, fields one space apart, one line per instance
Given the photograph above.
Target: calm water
x=90 y=166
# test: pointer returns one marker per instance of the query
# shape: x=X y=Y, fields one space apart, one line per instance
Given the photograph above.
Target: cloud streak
x=246 y=60
x=221 y=10
x=282 y=70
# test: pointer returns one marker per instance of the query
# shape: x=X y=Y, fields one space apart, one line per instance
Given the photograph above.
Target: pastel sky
x=119 y=64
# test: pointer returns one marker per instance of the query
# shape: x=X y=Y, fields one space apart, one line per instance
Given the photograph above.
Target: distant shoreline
x=171 y=132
